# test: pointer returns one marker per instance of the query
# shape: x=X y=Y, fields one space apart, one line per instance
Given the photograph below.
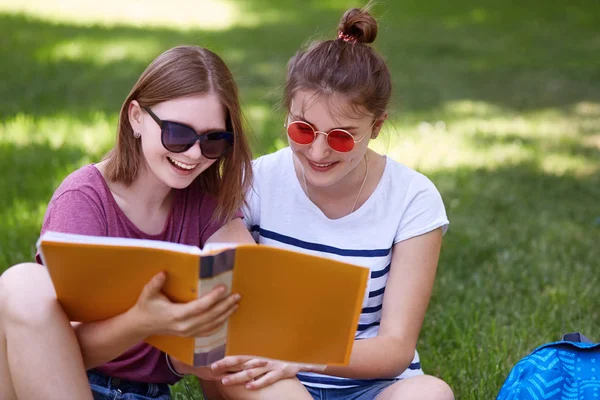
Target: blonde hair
x=179 y=72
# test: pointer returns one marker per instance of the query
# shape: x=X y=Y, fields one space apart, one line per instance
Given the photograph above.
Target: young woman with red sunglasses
x=178 y=172
x=329 y=194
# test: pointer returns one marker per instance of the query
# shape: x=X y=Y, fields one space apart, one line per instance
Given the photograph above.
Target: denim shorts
x=365 y=392
x=107 y=388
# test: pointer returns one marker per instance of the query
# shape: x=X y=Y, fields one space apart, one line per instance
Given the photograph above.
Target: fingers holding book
x=233 y=364
x=160 y=316
x=204 y=316
x=204 y=373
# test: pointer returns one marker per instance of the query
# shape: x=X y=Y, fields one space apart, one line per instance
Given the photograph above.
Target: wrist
x=138 y=323
x=172 y=367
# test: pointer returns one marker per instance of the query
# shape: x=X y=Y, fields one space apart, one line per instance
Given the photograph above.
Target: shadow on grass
x=532 y=56
x=517 y=270
x=518 y=58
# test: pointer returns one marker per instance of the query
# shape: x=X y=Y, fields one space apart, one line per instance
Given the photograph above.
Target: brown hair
x=346 y=65
x=179 y=72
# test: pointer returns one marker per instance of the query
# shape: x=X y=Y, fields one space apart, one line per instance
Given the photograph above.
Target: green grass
x=498 y=103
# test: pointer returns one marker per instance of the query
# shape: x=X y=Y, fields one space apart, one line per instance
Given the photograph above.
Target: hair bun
x=358 y=23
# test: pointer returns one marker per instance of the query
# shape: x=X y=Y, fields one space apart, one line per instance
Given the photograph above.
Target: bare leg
x=424 y=387
x=6 y=386
x=38 y=340
x=288 y=389
x=210 y=390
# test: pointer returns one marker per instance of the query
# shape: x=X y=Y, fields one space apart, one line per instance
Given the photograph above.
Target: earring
x=137 y=134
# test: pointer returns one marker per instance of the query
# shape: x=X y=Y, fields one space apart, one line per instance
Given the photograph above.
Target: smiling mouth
x=321 y=165
x=183 y=166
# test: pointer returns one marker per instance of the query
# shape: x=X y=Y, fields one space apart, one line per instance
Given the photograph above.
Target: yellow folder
x=294 y=307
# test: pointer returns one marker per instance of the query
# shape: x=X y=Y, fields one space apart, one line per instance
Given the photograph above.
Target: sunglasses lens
x=216 y=144
x=301 y=133
x=177 y=138
x=340 y=140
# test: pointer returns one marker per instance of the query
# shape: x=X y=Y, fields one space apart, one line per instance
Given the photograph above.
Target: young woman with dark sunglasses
x=178 y=173
x=329 y=194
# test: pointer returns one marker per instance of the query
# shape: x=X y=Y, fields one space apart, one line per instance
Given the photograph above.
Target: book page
x=60 y=237
x=214 y=248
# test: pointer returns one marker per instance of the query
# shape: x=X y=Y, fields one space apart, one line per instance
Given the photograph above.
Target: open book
x=294 y=307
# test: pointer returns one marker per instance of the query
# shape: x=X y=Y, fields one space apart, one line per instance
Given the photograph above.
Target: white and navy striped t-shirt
x=404 y=204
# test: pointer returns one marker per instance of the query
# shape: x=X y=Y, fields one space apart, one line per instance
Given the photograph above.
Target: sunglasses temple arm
x=154 y=116
x=227 y=136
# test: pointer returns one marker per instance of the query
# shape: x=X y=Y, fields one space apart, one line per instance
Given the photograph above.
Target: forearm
x=376 y=358
x=103 y=341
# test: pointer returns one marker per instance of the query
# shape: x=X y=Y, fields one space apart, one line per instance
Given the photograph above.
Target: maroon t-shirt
x=83 y=204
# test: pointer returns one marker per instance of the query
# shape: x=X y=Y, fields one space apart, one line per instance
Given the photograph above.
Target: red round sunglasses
x=340 y=140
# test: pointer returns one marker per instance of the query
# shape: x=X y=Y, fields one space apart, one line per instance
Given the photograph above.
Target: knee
x=425 y=387
x=437 y=389
x=26 y=294
x=289 y=389
x=238 y=392
x=210 y=390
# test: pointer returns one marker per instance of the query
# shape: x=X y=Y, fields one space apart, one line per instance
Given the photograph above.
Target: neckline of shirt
x=357 y=213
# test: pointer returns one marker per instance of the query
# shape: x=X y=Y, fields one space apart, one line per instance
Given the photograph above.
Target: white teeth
x=182 y=165
x=322 y=165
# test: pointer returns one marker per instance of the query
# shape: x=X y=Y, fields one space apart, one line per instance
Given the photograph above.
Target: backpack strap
x=575 y=337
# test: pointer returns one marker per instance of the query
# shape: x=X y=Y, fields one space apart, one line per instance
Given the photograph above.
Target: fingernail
x=236 y=297
x=225 y=381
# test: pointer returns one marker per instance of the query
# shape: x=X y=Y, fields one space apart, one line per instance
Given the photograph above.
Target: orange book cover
x=295 y=307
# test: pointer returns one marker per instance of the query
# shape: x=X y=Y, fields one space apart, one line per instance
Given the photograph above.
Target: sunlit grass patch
x=36 y=153
x=19 y=228
x=101 y=51
x=477 y=134
x=93 y=136
x=177 y=14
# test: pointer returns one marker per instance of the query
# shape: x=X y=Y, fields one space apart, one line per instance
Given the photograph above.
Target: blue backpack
x=564 y=370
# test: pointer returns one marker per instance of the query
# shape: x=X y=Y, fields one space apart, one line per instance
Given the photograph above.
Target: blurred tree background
x=497 y=102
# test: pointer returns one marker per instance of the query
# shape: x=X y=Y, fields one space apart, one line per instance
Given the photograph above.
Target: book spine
x=206 y=358
x=214 y=270
x=212 y=266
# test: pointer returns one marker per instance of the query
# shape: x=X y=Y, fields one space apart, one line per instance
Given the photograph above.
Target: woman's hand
x=157 y=315
x=257 y=373
x=204 y=373
x=216 y=374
